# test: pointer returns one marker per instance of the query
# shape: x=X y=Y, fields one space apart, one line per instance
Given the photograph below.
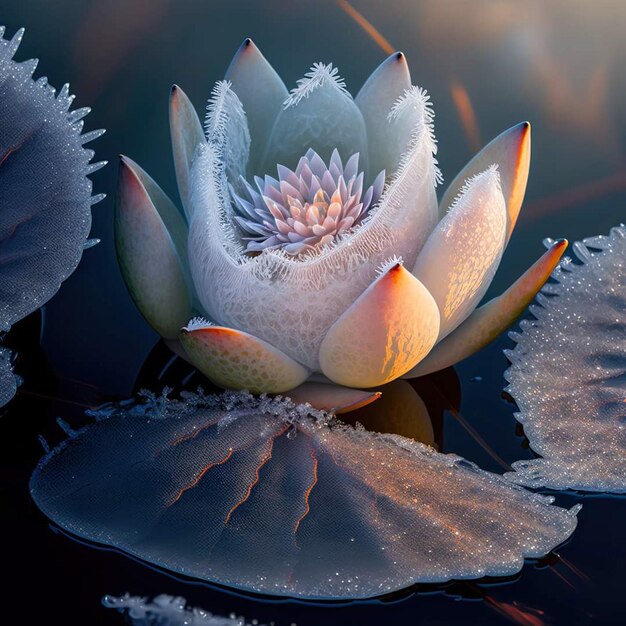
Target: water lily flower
x=312 y=244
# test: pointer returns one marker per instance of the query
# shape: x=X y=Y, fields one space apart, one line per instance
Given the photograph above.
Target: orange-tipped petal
x=493 y=318
x=511 y=152
x=391 y=326
x=147 y=256
x=236 y=360
x=329 y=397
x=261 y=92
x=462 y=254
x=186 y=132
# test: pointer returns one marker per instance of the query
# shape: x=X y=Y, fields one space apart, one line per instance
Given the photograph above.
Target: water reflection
x=399 y=411
x=413 y=409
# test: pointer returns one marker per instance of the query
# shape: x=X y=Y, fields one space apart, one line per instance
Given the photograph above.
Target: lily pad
x=45 y=195
x=271 y=497
x=568 y=373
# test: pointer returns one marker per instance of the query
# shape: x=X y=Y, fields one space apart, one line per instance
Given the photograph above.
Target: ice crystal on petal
x=276 y=498
x=568 y=373
x=314 y=78
x=226 y=125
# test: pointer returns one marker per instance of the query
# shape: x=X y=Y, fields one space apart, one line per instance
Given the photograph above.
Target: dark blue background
x=558 y=64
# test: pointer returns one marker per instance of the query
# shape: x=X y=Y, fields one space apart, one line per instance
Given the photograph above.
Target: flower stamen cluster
x=307 y=208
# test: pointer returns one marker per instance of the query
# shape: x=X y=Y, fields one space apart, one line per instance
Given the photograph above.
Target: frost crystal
x=167 y=610
x=271 y=497
x=568 y=373
x=45 y=208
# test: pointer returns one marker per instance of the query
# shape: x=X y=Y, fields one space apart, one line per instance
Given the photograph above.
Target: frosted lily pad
x=274 y=498
x=568 y=373
x=45 y=195
x=8 y=383
x=167 y=610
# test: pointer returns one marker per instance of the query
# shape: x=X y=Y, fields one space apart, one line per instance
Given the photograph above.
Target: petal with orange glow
x=388 y=330
x=233 y=359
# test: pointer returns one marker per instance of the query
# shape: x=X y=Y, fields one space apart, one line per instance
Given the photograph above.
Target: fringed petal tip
x=234 y=359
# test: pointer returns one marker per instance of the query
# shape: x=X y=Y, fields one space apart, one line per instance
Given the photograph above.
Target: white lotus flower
x=312 y=239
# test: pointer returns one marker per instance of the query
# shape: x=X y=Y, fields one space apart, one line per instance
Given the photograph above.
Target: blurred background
x=488 y=64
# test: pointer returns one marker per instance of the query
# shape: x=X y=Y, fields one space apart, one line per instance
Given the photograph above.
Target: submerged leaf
x=568 y=373
x=275 y=498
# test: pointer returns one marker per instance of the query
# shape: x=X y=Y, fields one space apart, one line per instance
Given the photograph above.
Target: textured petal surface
x=461 y=256
x=510 y=151
x=319 y=114
x=310 y=293
x=375 y=100
x=187 y=134
x=262 y=93
x=386 y=332
x=196 y=487
x=236 y=360
x=45 y=195
x=329 y=397
x=148 y=258
x=568 y=373
x=493 y=318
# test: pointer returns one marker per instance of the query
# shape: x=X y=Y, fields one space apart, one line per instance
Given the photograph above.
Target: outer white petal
x=262 y=93
x=319 y=114
x=267 y=294
x=186 y=132
x=148 y=258
x=387 y=331
x=375 y=100
x=236 y=360
x=461 y=256
x=511 y=152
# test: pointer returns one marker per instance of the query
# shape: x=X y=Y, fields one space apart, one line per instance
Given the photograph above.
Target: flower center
x=305 y=209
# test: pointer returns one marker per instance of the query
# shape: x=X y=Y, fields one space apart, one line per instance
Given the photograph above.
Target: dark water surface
x=558 y=64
